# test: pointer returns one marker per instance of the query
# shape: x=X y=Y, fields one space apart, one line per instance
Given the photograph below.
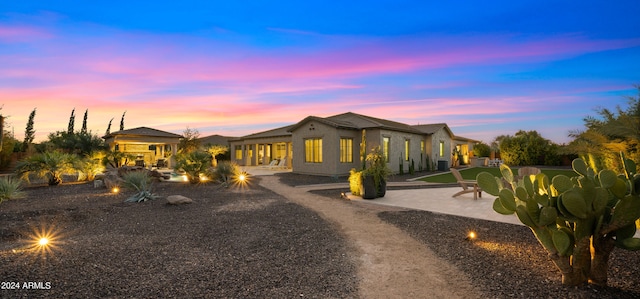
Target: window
x=313 y=150
x=346 y=150
x=441 y=148
x=422 y=146
x=238 y=149
x=407 y=145
x=386 y=141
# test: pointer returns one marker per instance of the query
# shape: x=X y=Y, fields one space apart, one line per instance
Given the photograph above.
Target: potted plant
x=374 y=176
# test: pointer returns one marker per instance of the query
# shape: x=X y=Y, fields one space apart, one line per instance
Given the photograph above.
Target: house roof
x=356 y=121
x=465 y=139
x=216 y=139
x=277 y=132
x=143 y=131
x=432 y=128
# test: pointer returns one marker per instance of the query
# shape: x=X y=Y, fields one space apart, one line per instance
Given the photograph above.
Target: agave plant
x=10 y=188
x=141 y=182
x=49 y=165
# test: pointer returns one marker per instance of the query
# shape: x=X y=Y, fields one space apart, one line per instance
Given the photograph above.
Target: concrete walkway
x=437 y=199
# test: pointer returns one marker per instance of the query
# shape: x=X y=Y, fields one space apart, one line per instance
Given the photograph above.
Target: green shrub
x=10 y=188
x=141 y=182
x=481 y=150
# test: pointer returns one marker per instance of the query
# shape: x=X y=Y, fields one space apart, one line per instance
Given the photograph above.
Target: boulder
x=178 y=200
x=98 y=183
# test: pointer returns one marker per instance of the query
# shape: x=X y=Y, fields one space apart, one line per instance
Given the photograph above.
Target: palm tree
x=49 y=165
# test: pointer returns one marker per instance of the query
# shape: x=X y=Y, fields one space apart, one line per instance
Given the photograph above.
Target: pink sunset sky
x=200 y=68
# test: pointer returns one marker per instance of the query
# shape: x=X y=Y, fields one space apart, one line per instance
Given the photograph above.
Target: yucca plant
x=226 y=171
x=140 y=181
x=10 y=188
x=49 y=165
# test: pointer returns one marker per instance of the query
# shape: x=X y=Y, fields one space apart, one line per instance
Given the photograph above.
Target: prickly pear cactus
x=578 y=220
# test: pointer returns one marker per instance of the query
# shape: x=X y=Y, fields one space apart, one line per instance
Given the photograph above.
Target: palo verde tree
x=216 y=150
x=578 y=220
x=190 y=141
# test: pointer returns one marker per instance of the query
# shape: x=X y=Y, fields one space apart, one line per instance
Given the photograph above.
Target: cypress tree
x=122 y=121
x=72 y=120
x=29 y=132
x=109 y=128
x=84 y=122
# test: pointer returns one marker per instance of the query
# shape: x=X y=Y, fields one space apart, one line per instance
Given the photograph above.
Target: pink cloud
x=12 y=34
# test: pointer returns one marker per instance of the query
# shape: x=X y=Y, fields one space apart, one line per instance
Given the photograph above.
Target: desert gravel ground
x=229 y=243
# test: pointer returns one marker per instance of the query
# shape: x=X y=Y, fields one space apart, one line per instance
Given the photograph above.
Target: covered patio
x=151 y=147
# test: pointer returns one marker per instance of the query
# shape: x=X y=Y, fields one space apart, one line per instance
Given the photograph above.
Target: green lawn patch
x=471 y=173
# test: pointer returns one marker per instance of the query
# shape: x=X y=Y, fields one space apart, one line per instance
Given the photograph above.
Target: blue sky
x=235 y=68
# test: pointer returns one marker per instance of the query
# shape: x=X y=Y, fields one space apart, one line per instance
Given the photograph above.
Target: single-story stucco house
x=330 y=146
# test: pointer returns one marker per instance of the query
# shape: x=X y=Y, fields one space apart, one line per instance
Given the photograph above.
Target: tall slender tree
x=72 y=121
x=109 y=127
x=84 y=122
x=29 y=132
x=122 y=121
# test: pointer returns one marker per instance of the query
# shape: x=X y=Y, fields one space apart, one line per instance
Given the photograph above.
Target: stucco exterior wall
x=436 y=138
x=330 y=136
x=397 y=148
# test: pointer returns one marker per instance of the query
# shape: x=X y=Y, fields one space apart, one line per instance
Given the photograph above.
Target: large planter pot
x=368 y=187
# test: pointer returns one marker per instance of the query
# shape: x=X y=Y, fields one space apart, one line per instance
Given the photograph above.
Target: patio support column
x=256 y=155
x=265 y=154
x=245 y=159
x=289 y=155
x=174 y=151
